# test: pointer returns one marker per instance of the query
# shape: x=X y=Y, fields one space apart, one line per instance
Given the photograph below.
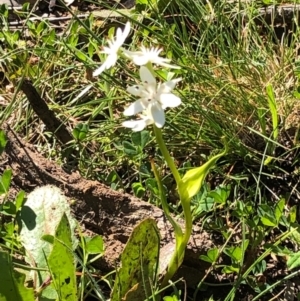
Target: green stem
x=186 y=206
x=164 y=203
x=167 y=155
x=181 y=239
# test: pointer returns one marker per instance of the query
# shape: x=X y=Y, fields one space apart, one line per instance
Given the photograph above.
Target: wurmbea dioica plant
x=152 y=100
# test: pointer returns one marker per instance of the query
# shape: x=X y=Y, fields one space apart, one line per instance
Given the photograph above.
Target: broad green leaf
x=49 y=39
x=205 y=258
x=140 y=138
x=235 y=253
x=139 y=264
x=94 y=245
x=293 y=214
x=212 y=255
x=40 y=216
x=5 y=181
x=12 y=282
x=217 y=198
x=204 y=205
x=220 y=194
x=129 y=149
x=293 y=261
x=20 y=200
x=80 y=131
x=41 y=27
x=228 y=269
x=279 y=209
x=268 y=221
x=193 y=179
x=138 y=189
x=61 y=262
x=3 y=141
x=151 y=184
x=9 y=208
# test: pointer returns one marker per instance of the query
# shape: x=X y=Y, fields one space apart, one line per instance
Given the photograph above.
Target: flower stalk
x=152 y=100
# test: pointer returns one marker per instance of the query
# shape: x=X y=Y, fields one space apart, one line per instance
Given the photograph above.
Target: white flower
x=153 y=98
x=148 y=55
x=138 y=125
x=113 y=48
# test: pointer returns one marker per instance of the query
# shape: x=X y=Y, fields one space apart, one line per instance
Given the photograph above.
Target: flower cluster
x=153 y=97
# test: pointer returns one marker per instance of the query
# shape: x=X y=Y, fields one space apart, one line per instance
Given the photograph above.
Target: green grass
x=229 y=70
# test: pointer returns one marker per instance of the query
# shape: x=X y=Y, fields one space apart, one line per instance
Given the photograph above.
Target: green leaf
x=229 y=269
x=235 y=253
x=212 y=255
x=171 y=298
x=193 y=179
x=62 y=262
x=273 y=109
x=3 y=141
x=5 y=181
x=139 y=263
x=129 y=149
x=39 y=218
x=293 y=214
x=140 y=138
x=293 y=261
x=278 y=250
x=9 y=208
x=49 y=39
x=94 y=245
x=295 y=233
x=20 y=199
x=48 y=238
x=205 y=258
x=12 y=282
x=220 y=194
x=80 y=131
x=138 y=189
x=151 y=184
x=268 y=221
x=279 y=209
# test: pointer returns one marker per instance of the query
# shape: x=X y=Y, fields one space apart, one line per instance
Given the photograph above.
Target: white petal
x=158 y=115
x=140 y=59
x=135 y=125
x=122 y=35
x=131 y=54
x=109 y=62
x=99 y=70
x=169 y=100
x=136 y=90
x=155 y=51
x=168 y=86
x=166 y=65
x=126 y=30
x=119 y=34
x=134 y=108
x=138 y=125
x=146 y=76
